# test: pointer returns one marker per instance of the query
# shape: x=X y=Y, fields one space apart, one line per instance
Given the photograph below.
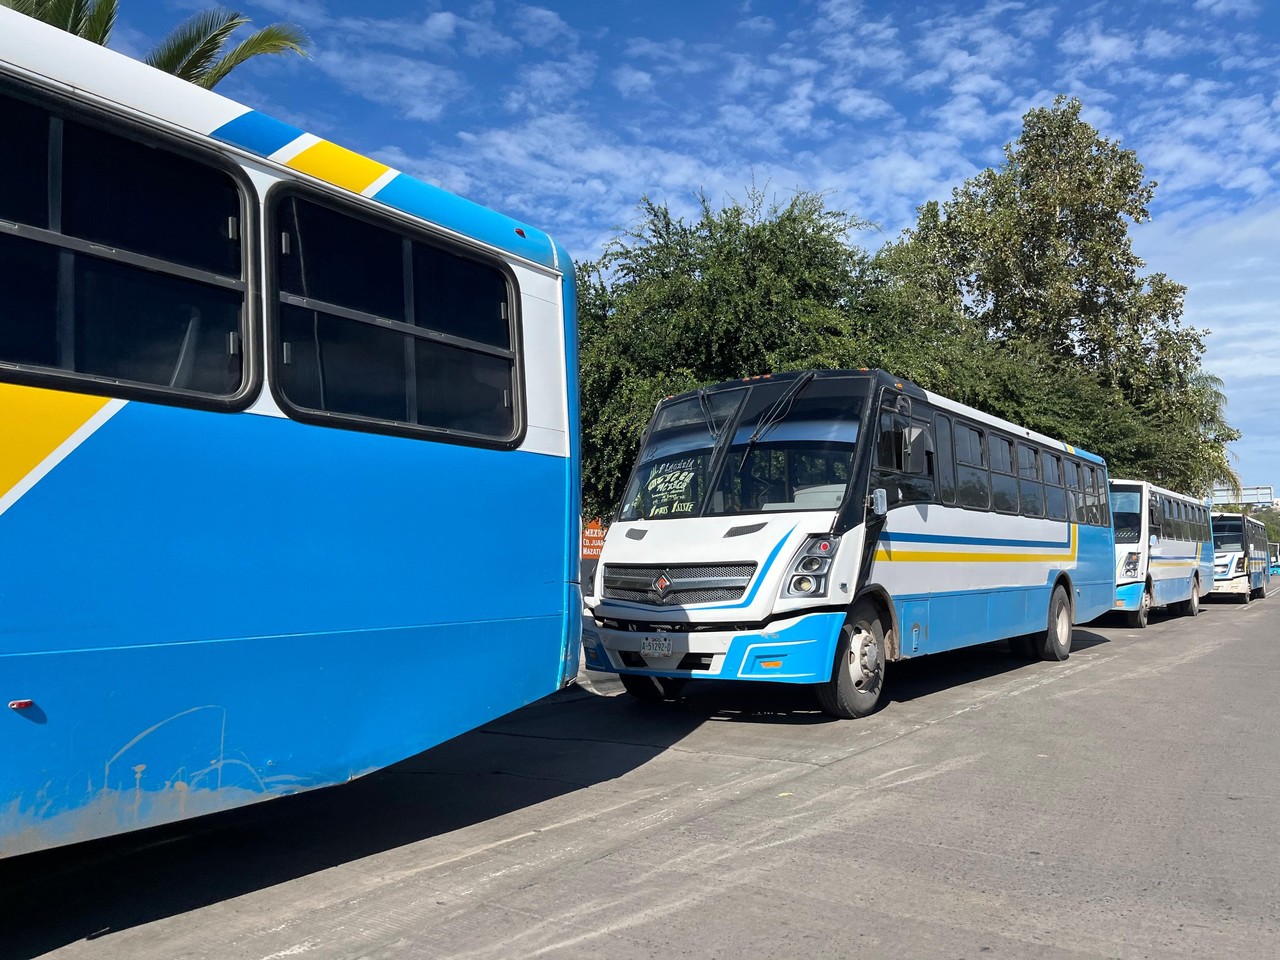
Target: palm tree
x=193 y=51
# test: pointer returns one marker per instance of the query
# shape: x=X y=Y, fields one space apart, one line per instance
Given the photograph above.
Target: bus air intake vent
x=682 y=584
x=743 y=531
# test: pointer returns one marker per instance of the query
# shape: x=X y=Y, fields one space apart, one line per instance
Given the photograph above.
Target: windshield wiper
x=708 y=415
x=775 y=414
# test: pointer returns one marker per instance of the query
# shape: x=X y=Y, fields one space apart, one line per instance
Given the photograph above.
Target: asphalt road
x=1125 y=803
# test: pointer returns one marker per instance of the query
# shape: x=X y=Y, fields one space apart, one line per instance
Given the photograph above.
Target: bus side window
x=973 y=483
x=1004 y=485
x=904 y=458
x=1055 y=497
x=946 y=459
x=1030 y=489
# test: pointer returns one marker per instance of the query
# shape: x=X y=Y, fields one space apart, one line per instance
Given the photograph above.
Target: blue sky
x=565 y=114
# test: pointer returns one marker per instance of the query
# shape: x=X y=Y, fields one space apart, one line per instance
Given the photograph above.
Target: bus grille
x=685 y=584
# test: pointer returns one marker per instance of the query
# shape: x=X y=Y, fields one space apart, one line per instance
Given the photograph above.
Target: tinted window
x=341 y=260
x=1001 y=451
x=24 y=188
x=126 y=194
x=459 y=297
x=946 y=459
x=972 y=483
x=159 y=322
x=1052 y=468
x=450 y=369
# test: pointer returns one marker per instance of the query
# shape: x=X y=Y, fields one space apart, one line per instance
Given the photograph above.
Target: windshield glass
x=792 y=449
x=1126 y=513
x=1227 y=537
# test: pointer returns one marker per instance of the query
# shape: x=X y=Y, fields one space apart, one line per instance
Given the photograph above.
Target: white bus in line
x=1164 y=550
x=1241 y=565
x=811 y=527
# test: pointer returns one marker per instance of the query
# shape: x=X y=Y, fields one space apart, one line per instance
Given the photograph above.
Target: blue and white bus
x=811 y=527
x=261 y=399
x=1164 y=551
x=1241 y=561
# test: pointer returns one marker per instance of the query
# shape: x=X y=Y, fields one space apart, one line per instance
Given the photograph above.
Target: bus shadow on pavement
x=558 y=745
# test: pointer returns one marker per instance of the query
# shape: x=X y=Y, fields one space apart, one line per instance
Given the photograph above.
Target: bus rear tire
x=1056 y=644
x=1191 y=606
x=857 y=675
x=1137 y=619
x=652 y=689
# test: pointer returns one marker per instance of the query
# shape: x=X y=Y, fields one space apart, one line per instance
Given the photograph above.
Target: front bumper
x=1129 y=595
x=1239 y=583
x=798 y=649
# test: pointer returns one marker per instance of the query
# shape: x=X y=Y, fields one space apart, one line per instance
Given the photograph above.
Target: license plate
x=655 y=646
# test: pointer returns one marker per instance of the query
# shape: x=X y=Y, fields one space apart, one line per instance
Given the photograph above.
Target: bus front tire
x=857 y=676
x=1137 y=619
x=1057 y=637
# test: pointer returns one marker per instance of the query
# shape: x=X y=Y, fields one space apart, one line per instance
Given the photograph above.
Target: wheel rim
x=866 y=659
x=1195 y=598
x=1062 y=622
x=1146 y=606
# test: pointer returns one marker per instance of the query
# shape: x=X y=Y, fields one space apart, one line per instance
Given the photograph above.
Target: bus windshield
x=1227 y=536
x=776 y=445
x=1126 y=513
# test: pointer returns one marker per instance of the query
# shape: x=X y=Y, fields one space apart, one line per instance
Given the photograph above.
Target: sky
x=564 y=115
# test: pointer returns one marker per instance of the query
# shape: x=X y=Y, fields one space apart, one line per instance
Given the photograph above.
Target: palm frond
x=101 y=20
x=189 y=51
x=275 y=39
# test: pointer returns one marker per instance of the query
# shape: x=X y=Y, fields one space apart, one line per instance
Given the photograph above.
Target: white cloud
x=1094 y=49
x=540 y=27
x=632 y=82
x=761 y=26
x=418 y=89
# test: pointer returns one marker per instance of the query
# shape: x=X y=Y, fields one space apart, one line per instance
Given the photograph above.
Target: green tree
x=195 y=50
x=1030 y=277
x=751 y=288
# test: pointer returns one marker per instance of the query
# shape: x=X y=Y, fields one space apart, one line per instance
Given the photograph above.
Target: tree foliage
x=746 y=289
x=195 y=50
x=1020 y=295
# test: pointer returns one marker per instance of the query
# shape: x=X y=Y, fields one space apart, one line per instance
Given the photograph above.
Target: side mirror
x=1153 y=540
x=879 y=502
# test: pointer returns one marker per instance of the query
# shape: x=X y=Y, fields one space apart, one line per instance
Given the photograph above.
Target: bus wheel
x=1191 y=606
x=1057 y=638
x=652 y=689
x=1248 y=593
x=1137 y=619
x=1262 y=591
x=857 y=676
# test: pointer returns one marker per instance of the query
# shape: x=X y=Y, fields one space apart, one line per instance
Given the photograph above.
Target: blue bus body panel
x=936 y=621
x=203 y=612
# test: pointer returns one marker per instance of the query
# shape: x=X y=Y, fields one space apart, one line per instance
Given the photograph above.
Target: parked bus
x=1275 y=558
x=812 y=527
x=1164 y=551
x=260 y=398
x=1241 y=564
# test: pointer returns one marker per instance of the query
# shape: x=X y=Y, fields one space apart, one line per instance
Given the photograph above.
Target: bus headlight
x=1239 y=564
x=809 y=570
x=1131 y=564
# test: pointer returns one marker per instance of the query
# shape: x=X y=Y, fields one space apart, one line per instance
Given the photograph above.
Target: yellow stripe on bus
x=950 y=556
x=338 y=165
x=34 y=423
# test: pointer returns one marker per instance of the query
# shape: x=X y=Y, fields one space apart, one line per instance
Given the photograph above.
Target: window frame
x=983 y=468
x=175 y=142
x=415 y=231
